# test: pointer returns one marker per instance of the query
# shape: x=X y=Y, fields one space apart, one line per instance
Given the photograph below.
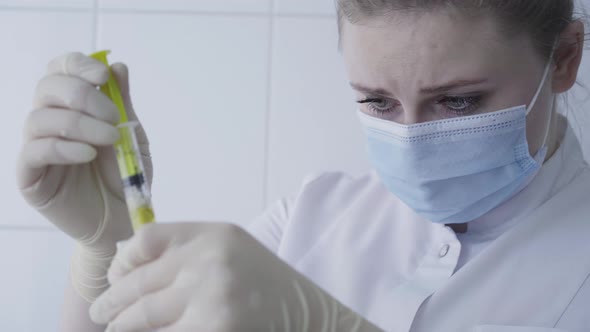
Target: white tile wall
x=305 y=7
x=238 y=113
x=231 y=6
x=35 y=4
x=312 y=126
x=202 y=96
x=32 y=282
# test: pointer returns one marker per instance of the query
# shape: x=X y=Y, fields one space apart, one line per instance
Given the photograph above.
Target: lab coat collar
x=530 y=275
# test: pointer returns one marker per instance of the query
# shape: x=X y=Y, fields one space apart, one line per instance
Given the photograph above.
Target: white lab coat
x=369 y=250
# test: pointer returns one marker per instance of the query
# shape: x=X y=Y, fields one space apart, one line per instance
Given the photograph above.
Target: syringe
x=129 y=159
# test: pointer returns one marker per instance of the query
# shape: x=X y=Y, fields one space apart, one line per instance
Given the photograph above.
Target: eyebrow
x=374 y=91
x=451 y=85
x=428 y=90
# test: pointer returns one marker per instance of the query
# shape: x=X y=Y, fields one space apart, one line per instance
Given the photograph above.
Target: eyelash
x=371 y=104
x=471 y=101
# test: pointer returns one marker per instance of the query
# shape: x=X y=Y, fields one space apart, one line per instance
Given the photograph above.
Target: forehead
x=429 y=47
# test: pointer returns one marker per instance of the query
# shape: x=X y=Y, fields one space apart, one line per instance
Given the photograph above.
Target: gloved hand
x=212 y=277
x=67 y=168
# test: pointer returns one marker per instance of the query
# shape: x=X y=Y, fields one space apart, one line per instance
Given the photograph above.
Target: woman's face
x=411 y=68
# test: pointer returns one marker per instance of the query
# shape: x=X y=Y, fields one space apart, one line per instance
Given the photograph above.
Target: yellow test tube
x=129 y=159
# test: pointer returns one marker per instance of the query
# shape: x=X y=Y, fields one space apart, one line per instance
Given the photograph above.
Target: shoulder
x=331 y=179
x=322 y=199
x=338 y=206
x=323 y=196
x=338 y=187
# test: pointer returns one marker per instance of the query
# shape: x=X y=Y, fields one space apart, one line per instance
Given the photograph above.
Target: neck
x=556 y=130
x=458 y=228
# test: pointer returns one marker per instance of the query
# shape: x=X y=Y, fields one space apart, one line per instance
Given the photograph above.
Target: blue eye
x=460 y=105
x=378 y=105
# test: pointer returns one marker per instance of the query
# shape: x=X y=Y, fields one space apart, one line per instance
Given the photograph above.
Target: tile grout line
x=45 y=9
x=181 y=12
x=214 y=13
x=95 y=8
x=266 y=166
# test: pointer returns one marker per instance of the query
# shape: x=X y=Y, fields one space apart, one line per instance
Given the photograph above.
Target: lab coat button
x=444 y=250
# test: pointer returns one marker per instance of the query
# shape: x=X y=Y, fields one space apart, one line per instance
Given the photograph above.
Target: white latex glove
x=216 y=278
x=67 y=168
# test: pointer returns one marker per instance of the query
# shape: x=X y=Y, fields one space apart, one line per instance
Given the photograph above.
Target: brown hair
x=543 y=20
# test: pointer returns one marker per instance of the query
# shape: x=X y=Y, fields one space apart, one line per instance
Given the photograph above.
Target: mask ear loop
x=542 y=85
x=543 y=149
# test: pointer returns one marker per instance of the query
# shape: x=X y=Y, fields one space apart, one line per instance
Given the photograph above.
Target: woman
x=476 y=218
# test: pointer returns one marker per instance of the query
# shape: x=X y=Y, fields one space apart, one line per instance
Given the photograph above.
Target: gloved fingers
x=211 y=318
x=70 y=125
x=145 y=280
x=75 y=94
x=151 y=242
x=152 y=311
x=79 y=65
x=54 y=151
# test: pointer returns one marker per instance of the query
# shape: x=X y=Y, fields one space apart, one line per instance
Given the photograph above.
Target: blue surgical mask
x=455 y=170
